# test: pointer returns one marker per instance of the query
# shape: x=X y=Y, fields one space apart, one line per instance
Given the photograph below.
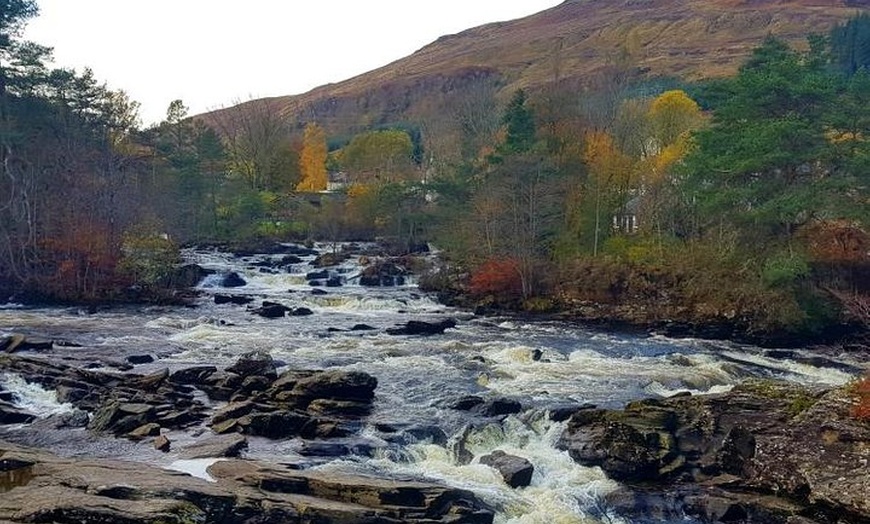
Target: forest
x=740 y=201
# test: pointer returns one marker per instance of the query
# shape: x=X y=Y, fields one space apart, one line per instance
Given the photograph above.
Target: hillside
x=689 y=39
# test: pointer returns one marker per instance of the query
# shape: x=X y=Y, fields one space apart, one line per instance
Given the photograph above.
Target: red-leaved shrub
x=861 y=390
x=500 y=277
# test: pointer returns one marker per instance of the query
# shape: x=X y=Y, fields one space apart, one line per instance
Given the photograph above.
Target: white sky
x=211 y=53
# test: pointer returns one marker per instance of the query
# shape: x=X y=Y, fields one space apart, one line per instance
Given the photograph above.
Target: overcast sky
x=210 y=53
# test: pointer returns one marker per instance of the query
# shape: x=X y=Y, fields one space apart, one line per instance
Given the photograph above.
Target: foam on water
x=33 y=398
x=195 y=467
x=794 y=371
x=561 y=491
x=588 y=375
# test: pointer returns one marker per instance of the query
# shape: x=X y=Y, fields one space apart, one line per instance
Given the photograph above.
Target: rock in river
x=765 y=452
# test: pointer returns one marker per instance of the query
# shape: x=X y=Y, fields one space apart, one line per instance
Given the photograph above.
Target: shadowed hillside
x=689 y=39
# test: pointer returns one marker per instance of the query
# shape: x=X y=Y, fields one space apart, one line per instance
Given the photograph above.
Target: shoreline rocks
x=765 y=452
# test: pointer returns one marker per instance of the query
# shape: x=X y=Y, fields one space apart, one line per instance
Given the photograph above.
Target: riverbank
x=765 y=452
x=659 y=312
x=351 y=388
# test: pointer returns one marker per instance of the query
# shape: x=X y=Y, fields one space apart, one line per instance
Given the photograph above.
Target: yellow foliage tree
x=312 y=161
x=610 y=173
x=672 y=114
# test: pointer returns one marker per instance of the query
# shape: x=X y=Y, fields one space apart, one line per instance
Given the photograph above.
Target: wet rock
x=362 y=327
x=301 y=312
x=232 y=299
x=563 y=413
x=339 y=408
x=289 y=260
x=488 y=407
x=419 y=327
x=516 y=471
x=274 y=425
x=466 y=403
x=766 y=451
x=319 y=292
x=162 y=443
x=196 y=375
x=334 y=282
x=233 y=410
x=120 y=418
x=500 y=406
x=383 y=273
x=74 y=419
x=216 y=447
x=139 y=359
x=255 y=363
x=151 y=429
x=334 y=449
x=233 y=279
x=13 y=343
x=10 y=414
x=271 y=310
x=329 y=259
x=333 y=384
x=317 y=275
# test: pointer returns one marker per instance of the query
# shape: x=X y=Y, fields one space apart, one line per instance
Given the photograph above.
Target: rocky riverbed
x=302 y=387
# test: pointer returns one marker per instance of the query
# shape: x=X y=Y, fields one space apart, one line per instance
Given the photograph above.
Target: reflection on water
x=14 y=473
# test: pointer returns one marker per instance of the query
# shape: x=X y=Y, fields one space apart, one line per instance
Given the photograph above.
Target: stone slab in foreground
x=36 y=486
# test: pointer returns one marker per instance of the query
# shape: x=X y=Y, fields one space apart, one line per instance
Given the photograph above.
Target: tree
x=519 y=122
x=610 y=178
x=763 y=158
x=256 y=138
x=312 y=161
x=850 y=44
x=378 y=157
x=671 y=115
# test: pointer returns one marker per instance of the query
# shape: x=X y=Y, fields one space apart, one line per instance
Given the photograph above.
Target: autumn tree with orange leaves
x=312 y=160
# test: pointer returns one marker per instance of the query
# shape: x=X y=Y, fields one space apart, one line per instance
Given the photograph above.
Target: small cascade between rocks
x=451 y=392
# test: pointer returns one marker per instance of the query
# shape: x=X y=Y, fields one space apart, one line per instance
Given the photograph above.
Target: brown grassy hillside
x=690 y=39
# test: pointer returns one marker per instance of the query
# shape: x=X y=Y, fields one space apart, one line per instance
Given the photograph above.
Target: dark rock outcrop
x=272 y=310
x=232 y=279
x=419 y=327
x=765 y=452
x=232 y=299
x=487 y=407
x=516 y=471
x=383 y=273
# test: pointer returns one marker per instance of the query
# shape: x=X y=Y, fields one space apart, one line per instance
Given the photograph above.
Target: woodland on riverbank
x=740 y=201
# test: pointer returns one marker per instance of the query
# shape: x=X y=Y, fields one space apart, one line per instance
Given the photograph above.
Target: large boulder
x=516 y=471
x=272 y=310
x=383 y=273
x=257 y=363
x=232 y=279
x=328 y=384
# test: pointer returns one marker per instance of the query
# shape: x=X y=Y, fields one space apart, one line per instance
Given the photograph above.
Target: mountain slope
x=690 y=39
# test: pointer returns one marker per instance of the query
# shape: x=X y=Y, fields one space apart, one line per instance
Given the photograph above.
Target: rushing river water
x=542 y=364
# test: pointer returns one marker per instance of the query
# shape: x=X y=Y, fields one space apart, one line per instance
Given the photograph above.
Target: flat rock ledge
x=36 y=486
x=765 y=452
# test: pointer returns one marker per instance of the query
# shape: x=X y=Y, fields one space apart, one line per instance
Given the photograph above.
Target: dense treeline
x=740 y=202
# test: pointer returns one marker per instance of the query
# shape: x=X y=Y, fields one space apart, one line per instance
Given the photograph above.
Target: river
x=544 y=365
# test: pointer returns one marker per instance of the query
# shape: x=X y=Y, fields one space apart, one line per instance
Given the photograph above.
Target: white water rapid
x=544 y=365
